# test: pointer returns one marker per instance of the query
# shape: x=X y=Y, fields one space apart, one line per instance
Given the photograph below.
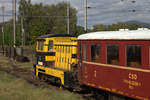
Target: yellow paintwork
x=49 y=58
x=63 y=47
x=54 y=39
x=64 y=51
x=51 y=71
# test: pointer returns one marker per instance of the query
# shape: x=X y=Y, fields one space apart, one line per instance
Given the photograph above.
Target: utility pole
x=68 y=22
x=3 y=29
x=3 y=8
x=14 y=21
x=22 y=30
x=85 y=15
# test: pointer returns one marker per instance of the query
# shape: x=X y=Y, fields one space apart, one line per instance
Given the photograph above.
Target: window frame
x=107 y=53
x=50 y=49
x=127 y=57
x=41 y=45
x=99 y=52
x=85 y=52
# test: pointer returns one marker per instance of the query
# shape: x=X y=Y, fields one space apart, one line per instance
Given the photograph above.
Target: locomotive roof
x=117 y=35
x=56 y=35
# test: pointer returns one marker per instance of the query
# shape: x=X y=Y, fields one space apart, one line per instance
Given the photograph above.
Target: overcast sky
x=100 y=11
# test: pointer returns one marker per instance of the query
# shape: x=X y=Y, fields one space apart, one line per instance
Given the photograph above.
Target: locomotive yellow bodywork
x=56 y=56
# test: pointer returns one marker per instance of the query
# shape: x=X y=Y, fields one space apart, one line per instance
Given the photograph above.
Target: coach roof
x=56 y=35
x=117 y=35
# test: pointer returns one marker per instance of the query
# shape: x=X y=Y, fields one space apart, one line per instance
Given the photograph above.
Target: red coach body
x=115 y=62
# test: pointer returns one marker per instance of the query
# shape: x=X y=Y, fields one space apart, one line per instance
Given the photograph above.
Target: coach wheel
x=116 y=97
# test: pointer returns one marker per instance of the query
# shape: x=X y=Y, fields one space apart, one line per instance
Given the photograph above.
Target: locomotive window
x=50 y=45
x=133 y=53
x=113 y=54
x=84 y=51
x=40 y=45
x=95 y=53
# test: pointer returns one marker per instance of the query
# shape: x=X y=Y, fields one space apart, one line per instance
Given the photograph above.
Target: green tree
x=8 y=33
x=133 y=26
x=79 y=30
x=42 y=19
x=99 y=27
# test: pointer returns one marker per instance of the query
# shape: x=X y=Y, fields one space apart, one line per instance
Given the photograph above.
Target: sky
x=100 y=11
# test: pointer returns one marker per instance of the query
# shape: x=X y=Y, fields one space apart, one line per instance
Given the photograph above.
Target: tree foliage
x=99 y=27
x=39 y=19
x=42 y=19
x=114 y=27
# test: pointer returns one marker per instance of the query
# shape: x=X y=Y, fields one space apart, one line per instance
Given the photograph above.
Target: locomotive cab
x=57 y=57
x=45 y=52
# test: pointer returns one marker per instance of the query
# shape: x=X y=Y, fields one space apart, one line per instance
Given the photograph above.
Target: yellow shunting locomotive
x=56 y=58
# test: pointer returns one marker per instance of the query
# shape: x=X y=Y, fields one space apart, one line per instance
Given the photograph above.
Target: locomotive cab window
x=133 y=53
x=40 y=44
x=50 y=45
x=95 y=53
x=113 y=54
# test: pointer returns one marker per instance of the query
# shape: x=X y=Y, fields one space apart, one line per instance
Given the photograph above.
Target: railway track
x=25 y=74
x=28 y=75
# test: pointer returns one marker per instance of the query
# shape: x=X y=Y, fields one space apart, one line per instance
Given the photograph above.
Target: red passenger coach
x=116 y=61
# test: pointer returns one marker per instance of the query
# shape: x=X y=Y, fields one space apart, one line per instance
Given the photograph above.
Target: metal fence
x=22 y=54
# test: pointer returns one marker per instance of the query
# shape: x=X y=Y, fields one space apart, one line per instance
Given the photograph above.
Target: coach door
x=80 y=62
x=83 y=69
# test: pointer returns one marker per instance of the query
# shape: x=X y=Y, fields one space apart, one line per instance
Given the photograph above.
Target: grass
x=4 y=61
x=12 y=88
x=28 y=51
x=27 y=65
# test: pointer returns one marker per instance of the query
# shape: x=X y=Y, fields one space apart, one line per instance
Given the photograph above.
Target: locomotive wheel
x=41 y=77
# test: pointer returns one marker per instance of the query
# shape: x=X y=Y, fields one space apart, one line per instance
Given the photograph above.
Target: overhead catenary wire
x=128 y=8
x=101 y=8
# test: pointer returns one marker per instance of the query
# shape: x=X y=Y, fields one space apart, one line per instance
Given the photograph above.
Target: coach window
x=95 y=53
x=40 y=45
x=133 y=55
x=113 y=54
x=50 y=45
x=84 y=51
